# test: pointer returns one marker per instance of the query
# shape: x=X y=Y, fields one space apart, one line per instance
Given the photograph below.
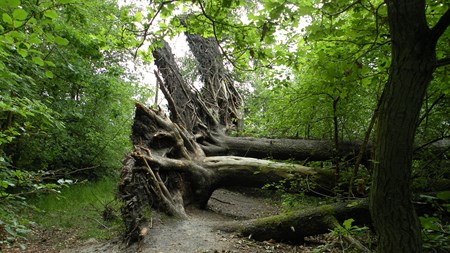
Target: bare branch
x=425 y=115
x=430 y=142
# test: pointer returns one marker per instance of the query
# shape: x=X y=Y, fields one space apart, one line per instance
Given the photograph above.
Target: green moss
x=327 y=209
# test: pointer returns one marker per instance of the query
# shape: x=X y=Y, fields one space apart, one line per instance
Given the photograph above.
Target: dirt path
x=199 y=234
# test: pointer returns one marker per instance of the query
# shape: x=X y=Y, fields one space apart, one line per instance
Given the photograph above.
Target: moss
x=327 y=209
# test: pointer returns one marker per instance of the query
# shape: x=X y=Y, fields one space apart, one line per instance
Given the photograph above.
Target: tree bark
x=413 y=63
x=218 y=86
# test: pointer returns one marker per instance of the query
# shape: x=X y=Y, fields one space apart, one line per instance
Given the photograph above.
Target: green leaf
x=25 y=45
x=38 y=61
x=51 y=14
x=348 y=223
x=355 y=203
x=50 y=63
x=14 y=3
x=443 y=195
x=20 y=14
x=61 y=41
x=18 y=23
x=22 y=52
x=7 y=18
x=138 y=16
x=49 y=74
x=18 y=35
x=35 y=40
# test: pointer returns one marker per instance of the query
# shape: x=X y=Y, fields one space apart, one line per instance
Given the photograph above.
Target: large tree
x=413 y=63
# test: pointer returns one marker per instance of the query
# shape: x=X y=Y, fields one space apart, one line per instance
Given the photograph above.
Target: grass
x=79 y=210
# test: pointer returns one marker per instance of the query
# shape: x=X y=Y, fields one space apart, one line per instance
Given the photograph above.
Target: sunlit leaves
x=38 y=61
x=49 y=74
x=138 y=16
x=20 y=14
x=167 y=9
x=51 y=14
x=61 y=41
x=13 y=3
x=22 y=52
x=7 y=19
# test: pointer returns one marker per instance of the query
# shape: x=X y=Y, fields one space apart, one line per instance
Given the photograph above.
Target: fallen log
x=293 y=227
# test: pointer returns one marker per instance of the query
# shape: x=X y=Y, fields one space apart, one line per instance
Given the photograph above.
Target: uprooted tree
x=180 y=159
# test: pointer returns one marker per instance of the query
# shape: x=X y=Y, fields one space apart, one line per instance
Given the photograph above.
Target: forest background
x=67 y=92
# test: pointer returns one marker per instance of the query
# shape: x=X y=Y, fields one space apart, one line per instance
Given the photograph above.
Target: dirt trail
x=199 y=234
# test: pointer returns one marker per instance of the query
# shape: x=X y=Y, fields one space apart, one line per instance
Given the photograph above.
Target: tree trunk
x=294 y=227
x=281 y=149
x=413 y=63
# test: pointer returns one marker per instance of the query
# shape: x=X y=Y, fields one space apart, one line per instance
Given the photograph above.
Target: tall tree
x=412 y=67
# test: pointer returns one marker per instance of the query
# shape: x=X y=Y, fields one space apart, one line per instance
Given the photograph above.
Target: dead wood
x=295 y=226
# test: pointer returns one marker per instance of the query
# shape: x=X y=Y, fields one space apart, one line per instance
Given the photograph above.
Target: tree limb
x=440 y=27
x=443 y=62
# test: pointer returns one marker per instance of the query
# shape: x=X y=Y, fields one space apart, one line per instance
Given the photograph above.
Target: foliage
x=71 y=69
x=310 y=69
x=84 y=210
x=435 y=226
x=347 y=228
x=66 y=97
x=15 y=187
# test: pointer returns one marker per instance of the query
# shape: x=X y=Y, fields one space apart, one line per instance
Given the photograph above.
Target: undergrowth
x=85 y=210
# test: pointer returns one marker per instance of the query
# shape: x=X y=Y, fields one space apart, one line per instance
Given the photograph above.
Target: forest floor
x=200 y=233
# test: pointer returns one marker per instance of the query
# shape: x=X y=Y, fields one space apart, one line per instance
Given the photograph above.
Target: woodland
x=343 y=100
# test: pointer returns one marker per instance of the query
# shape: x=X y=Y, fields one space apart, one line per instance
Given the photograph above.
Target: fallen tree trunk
x=282 y=149
x=302 y=149
x=295 y=226
x=168 y=170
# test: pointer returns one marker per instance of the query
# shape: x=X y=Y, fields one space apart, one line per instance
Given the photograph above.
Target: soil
x=200 y=233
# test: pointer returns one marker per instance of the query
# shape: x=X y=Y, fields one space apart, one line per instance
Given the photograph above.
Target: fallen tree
x=180 y=159
x=295 y=226
x=168 y=170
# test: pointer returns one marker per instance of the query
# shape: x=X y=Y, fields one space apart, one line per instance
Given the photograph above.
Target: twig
x=147 y=28
x=356 y=243
x=345 y=9
x=103 y=225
